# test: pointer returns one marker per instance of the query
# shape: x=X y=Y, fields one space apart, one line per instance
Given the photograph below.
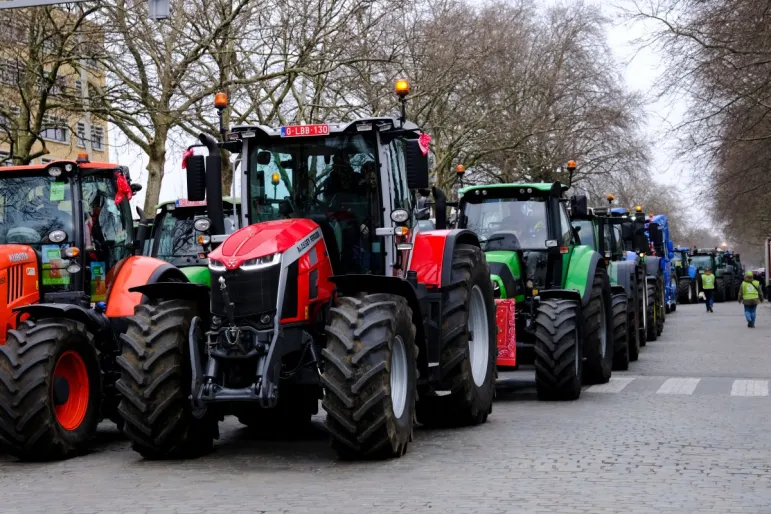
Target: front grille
x=15 y=282
x=252 y=292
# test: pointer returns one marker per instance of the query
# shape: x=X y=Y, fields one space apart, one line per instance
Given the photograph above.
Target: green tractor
x=561 y=288
x=178 y=240
x=702 y=258
x=602 y=231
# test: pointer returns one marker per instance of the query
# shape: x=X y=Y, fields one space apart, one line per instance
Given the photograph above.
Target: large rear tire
x=155 y=382
x=370 y=376
x=469 y=347
x=673 y=288
x=619 y=304
x=642 y=306
x=685 y=291
x=720 y=290
x=598 y=344
x=652 y=312
x=633 y=328
x=50 y=390
x=558 y=356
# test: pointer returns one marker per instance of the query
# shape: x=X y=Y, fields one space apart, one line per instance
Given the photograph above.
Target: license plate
x=188 y=203
x=321 y=129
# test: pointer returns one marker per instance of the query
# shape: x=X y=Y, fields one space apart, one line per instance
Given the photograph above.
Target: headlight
x=54 y=171
x=400 y=215
x=261 y=262
x=57 y=236
x=202 y=224
x=73 y=268
x=216 y=265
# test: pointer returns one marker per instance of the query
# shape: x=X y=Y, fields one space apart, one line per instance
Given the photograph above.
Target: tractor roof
x=539 y=186
x=383 y=124
x=42 y=167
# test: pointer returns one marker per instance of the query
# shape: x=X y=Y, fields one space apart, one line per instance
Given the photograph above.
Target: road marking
x=616 y=385
x=679 y=386
x=749 y=388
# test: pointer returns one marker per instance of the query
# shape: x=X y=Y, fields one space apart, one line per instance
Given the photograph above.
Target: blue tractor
x=685 y=273
x=664 y=248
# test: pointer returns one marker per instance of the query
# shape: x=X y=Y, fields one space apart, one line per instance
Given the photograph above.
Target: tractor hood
x=12 y=255
x=265 y=239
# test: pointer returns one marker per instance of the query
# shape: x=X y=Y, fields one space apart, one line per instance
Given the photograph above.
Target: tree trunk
x=155 y=165
x=227 y=173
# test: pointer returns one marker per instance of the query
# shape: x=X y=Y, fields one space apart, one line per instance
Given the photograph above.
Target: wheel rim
x=603 y=331
x=690 y=294
x=71 y=390
x=398 y=377
x=478 y=345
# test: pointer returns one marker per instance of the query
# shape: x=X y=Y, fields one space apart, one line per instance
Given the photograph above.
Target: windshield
x=585 y=228
x=31 y=206
x=177 y=236
x=701 y=261
x=312 y=177
x=497 y=217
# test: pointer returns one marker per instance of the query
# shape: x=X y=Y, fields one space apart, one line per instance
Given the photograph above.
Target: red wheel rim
x=71 y=368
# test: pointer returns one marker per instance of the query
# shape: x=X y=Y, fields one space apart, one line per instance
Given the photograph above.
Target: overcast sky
x=640 y=68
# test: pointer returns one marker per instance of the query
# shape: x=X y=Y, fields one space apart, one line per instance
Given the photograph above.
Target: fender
x=562 y=294
x=652 y=265
x=432 y=254
x=501 y=273
x=96 y=323
x=175 y=291
x=349 y=285
x=583 y=266
x=622 y=273
x=136 y=271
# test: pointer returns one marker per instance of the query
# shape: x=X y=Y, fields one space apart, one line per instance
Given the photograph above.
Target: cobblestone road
x=684 y=430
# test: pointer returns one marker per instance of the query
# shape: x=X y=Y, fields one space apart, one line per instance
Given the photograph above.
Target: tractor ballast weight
x=67 y=284
x=561 y=289
x=301 y=309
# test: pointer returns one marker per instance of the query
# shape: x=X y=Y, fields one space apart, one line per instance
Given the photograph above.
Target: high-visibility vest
x=750 y=290
x=708 y=281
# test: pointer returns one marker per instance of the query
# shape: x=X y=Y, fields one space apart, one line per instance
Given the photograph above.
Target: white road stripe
x=616 y=385
x=679 y=386
x=749 y=388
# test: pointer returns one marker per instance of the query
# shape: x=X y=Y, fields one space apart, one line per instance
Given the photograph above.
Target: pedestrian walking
x=708 y=286
x=751 y=296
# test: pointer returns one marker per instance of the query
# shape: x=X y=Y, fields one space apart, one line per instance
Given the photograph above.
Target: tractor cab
x=63 y=227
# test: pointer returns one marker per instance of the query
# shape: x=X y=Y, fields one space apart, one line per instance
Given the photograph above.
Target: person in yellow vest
x=751 y=295
x=708 y=286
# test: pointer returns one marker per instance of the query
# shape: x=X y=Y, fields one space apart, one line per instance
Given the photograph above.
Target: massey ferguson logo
x=16 y=257
x=308 y=240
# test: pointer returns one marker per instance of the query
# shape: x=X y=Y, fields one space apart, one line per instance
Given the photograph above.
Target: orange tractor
x=66 y=265
x=329 y=292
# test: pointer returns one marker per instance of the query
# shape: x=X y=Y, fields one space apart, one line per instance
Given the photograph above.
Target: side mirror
x=579 y=206
x=657 y=237
x=263 y=158
x=135 y=188
x=423 y=214
x=417 y=165
x=196 y=178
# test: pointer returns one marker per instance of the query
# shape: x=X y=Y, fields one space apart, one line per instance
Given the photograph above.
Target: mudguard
x=431 y=256
x=197 y=275
x=504 y=272
x=622 y=273
x=583 y=266
x=136 y=271
x=652 y=265
x=96 y=323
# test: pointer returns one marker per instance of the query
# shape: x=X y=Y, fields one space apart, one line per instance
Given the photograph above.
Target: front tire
x=720 y=290
x=370 y=376
x=619 y=330
x=51 y=391
x=685 y=291
x=598 y=346
x=469 y=346
x=155 y=382
x=558 y=355
x=652 y=312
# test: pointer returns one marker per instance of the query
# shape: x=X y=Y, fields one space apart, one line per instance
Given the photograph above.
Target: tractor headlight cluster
x=216 y=265
x=261 y=262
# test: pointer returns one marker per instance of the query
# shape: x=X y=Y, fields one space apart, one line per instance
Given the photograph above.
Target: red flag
x=185 y=155
x=423 y=142
x=124 y=190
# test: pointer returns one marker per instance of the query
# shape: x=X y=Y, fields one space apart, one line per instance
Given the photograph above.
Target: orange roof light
x=650 y=214
x=610 y=197
x=571 y=165
x=275 y=179
x=460 y=169
x=220 y=100
x=82 y=157
x=402 y=87
x=637 y=208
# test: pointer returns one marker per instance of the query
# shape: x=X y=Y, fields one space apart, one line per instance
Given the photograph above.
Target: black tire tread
x=597 y=368
x=557 y=339
x=652 y=333
x=619 y=329
x=155 y=384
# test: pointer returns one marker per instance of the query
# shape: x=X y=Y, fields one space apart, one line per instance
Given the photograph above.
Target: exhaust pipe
x=214 y=206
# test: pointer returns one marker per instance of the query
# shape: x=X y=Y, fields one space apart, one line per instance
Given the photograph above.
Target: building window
x=10 y=72
x=5 y=159
x=54 y=129
x=97 y=136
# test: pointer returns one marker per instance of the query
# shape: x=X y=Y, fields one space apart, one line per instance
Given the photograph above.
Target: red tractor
x=66 y=264
x=328 y=292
